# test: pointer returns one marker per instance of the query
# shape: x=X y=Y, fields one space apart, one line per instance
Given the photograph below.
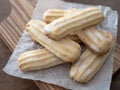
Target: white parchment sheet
x=59 y=75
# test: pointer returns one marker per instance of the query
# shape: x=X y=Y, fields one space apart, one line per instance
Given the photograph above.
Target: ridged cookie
x=37 y=60
x=66 y=49
x=89 y=64
x=68 y=24
x=96 y=40
x=52 y=14
x=74 y=37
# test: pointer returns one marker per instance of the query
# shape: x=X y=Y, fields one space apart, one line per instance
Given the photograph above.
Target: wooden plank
x=12 y=28
x=8 y=82
x=116 y=63
x=46 y=86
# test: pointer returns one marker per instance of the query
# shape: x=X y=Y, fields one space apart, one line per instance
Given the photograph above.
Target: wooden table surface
x=19 y=84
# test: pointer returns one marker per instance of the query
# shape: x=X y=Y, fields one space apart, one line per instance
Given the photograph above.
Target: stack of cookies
x=60 y=33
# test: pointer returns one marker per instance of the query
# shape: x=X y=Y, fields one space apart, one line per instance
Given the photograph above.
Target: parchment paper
x=59 y=75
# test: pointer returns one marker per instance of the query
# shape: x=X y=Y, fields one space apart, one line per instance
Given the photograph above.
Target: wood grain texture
x=46 y=86
x=116 y=64
x=11 y=30
x=8 y=82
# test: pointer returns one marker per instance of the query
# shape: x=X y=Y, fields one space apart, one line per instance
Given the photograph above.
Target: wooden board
x=11 y=30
